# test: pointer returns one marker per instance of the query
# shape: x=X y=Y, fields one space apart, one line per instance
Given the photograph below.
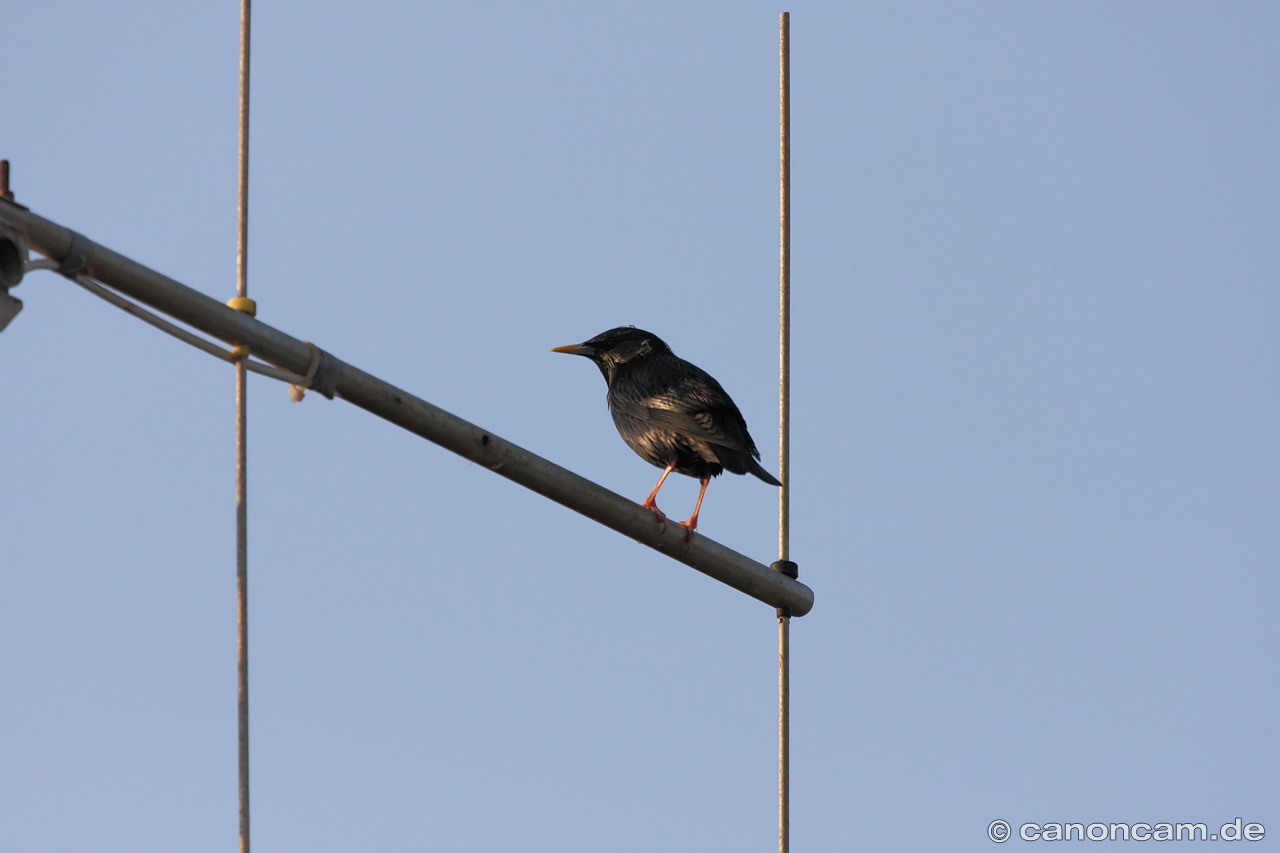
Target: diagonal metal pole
x=77 y=255
x=242 y=485
x=784 y=423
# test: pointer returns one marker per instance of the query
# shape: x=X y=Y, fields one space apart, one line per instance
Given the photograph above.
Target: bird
x=673 y=414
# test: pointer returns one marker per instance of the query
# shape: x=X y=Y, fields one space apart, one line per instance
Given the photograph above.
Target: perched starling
x=674 y=415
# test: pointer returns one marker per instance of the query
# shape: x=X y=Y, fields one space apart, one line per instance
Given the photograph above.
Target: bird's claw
x=689 y=530
x=659 y=514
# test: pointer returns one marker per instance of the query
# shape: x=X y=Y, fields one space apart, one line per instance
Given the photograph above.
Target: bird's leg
x=651 y=501
x=692 y=524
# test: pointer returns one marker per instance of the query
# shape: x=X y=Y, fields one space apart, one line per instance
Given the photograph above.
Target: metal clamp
x=76 y=260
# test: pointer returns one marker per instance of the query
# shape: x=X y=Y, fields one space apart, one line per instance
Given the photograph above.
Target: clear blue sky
x=1036 y=466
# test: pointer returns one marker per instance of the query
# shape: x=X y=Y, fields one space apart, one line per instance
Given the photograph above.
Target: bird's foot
x=690 y=528
x=652 y=505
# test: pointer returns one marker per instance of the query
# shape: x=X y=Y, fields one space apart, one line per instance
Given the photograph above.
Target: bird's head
x=616 y=347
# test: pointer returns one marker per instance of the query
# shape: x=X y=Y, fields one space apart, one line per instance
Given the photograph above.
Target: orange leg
x=651 y=501
x=692 y=524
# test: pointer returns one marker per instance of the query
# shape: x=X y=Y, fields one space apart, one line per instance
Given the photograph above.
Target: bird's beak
x=577 y=349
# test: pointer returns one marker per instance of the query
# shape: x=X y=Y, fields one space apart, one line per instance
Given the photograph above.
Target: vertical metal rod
x=242 y=198
x=784 y=423
x=242 y=601
x=242 y=487
x=784 y=286
x=784 y=732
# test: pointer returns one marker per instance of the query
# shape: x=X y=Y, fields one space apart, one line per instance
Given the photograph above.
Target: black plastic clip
x=787 y=567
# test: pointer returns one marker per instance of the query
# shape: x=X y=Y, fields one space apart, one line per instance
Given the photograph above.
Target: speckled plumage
x=672 y=414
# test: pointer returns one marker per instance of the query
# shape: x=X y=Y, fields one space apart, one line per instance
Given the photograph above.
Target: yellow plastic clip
x=244 y=305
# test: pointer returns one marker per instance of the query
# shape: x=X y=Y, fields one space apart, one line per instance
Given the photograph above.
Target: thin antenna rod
x=242 y=600
x=784 y=423
x=784 y=287
x=242 y=483
x=242 y=198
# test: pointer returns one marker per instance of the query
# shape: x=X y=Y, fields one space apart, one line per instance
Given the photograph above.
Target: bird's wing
x=706 y=425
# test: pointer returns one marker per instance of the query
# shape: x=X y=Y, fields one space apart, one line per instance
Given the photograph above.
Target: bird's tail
x=763 y=474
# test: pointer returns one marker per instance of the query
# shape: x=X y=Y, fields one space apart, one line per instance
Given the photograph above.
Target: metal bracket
x=13 y=259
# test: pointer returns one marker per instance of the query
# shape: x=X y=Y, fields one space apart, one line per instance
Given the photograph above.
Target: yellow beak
x=575 y=349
